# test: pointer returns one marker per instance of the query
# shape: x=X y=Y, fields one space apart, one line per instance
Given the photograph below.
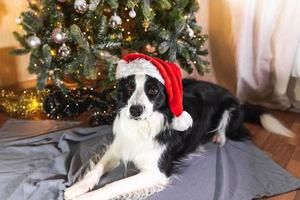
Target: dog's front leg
x=133 y=186
x=107 y=162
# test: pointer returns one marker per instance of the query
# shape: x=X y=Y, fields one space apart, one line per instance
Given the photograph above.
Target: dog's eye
x=153 y=91
x=129 y=87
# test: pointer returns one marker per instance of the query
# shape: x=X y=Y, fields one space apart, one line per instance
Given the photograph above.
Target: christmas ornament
x=190 y=32
x=132 y=13
x=149 y=48
x=146 y=24
x=168 y=74
x=64 y=51
x=58 y=36
x=80 y=6
x=33 y=41
x=107 y=10
x=18 y=20
x=93 y=4
x=115 y=21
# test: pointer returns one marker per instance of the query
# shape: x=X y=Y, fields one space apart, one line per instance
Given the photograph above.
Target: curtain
x=255 y=49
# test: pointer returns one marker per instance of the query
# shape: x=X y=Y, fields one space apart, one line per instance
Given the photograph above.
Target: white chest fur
x=135 y=139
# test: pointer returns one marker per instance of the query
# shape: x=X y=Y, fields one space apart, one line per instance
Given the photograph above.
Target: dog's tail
x=257 y=115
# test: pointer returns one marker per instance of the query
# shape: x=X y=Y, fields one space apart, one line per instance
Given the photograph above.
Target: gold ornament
x=146 y=24
x=129 y=39
x=149 y=48
x=22 y=104
x=53 y=53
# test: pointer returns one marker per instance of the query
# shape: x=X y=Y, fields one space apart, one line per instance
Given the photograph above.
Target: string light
x=53 y=52
x=33 y=2
x=22 y=104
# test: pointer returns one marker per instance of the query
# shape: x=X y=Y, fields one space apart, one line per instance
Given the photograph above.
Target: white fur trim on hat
x=182 y=122
x=137 y=67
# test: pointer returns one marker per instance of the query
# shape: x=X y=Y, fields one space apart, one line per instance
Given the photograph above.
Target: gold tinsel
x=22 y=104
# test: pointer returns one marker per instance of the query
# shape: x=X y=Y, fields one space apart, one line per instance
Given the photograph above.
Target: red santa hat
x=168 y=74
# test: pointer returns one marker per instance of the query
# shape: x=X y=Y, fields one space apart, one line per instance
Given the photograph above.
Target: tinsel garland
x=22 y=104
x=56 y=105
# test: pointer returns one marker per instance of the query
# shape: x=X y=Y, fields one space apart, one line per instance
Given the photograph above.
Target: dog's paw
x=95 y=195
x=81 y=187
x=72 y=192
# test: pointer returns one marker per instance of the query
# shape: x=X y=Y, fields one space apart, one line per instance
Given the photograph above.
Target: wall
x=12 y=69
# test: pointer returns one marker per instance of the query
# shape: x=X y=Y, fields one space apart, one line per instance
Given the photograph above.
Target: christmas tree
x=84 y=39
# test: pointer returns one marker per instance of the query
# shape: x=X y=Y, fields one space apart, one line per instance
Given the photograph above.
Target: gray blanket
x=41 y=167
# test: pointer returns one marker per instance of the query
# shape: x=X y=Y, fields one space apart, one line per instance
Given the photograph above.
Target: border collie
x=143 y=134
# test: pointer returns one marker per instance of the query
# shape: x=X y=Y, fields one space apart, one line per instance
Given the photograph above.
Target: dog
x=144 y=135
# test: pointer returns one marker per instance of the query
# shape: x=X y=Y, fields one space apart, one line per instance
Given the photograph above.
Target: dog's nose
x=136 y=110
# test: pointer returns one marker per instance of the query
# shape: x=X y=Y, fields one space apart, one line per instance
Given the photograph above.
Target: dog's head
x=140 y=96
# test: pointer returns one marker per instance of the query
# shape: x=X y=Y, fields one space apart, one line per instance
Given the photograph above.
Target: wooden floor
x=285 y=151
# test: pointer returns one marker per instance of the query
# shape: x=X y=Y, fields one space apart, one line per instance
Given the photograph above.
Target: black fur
x=125 y=89
x=204 y=101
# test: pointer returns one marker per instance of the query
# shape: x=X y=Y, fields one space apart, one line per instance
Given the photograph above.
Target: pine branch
x=78 y=37
x=114 y=4
x=89 y=70
x=19 y=52
x=20 y=39
x=108 y=45
x=41 y=80
x=181 y=4
x=163 y=47
x=163 y=4
x=31 y=23
x=47 y=56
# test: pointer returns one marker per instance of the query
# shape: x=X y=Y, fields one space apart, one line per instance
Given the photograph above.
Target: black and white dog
x=144 y=135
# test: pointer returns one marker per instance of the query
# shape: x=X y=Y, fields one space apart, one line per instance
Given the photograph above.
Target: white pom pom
x=182 y=122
